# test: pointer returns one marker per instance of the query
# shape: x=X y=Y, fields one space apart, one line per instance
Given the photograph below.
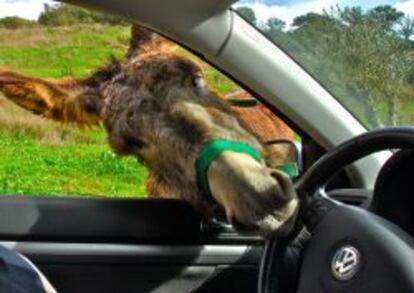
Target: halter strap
x=211 y=151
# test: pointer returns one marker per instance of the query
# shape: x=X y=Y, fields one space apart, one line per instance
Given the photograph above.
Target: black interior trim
x=106 y=220
x=393 y=198
x=33 y=218
x=130 y=254
x=352 y=196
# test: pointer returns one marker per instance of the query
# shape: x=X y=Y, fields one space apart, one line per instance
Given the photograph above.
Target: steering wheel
x=343 y=248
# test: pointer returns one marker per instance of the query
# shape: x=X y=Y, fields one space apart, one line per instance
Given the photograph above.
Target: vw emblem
x=345 y=263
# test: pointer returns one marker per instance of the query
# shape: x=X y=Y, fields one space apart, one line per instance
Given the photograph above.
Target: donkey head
x=156 y=106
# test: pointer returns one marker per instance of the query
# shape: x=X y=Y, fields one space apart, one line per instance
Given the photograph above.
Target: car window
x=40 y=157
x=360 y=51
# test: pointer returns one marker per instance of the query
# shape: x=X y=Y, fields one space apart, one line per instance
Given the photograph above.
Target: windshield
x=360 y=51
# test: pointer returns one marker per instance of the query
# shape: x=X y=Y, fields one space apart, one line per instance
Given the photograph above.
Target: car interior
x=352 y=179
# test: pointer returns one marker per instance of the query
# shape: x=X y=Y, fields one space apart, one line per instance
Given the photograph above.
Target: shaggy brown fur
x=156 y=107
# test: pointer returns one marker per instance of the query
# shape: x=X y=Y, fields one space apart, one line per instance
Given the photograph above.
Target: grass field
x=40 y=157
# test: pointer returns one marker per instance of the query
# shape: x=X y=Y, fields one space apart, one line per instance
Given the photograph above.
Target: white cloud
x=24 y=8
x=406 y=6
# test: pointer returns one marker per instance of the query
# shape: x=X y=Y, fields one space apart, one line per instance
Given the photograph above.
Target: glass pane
x=361 y=51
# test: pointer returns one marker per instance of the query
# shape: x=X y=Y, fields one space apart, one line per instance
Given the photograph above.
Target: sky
x=286 y=10
x=24 y=8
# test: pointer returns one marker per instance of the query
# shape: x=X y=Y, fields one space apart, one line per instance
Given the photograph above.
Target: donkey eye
x=197 y=82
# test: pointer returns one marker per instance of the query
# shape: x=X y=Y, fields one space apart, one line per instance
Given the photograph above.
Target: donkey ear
x=63 y=100
x=144 y=40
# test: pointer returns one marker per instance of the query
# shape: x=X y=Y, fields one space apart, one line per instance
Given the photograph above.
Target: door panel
x=110 y=245
x=98 y=219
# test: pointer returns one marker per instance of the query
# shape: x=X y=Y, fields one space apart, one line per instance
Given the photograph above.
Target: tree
x=248 y=14
x=348 y=15
x=275 y=24
x=63 y=15
x=312 y=19
x=363 y=61
x=273 y=28
x=15 y=22
x=407 y=27
x=310 y=33
x=378 y=62
x=387 y=15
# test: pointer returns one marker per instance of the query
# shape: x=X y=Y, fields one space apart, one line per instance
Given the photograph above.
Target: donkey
x=155 y=105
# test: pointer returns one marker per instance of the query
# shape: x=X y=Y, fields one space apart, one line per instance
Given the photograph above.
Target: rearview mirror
x=285 y=155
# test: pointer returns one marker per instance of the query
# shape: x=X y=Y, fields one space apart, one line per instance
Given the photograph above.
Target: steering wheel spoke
x=314 y=209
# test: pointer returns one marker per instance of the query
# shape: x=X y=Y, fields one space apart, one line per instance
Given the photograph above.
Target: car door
x=112 y=245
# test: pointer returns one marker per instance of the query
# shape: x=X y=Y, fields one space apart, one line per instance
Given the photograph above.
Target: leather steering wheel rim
x=314 y=209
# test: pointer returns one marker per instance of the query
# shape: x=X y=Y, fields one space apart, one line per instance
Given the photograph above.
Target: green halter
x=214 y=148
x=211 y=151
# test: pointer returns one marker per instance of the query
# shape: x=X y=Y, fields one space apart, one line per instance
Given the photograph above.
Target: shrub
x=65 y=15
x=15 y=22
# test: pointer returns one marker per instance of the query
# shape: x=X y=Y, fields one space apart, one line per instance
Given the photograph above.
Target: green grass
x=28 y=166
x=55 y=62
x=57 y=52
x=40 y=157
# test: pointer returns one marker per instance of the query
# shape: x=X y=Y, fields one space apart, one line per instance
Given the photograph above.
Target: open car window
x=40 y=157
